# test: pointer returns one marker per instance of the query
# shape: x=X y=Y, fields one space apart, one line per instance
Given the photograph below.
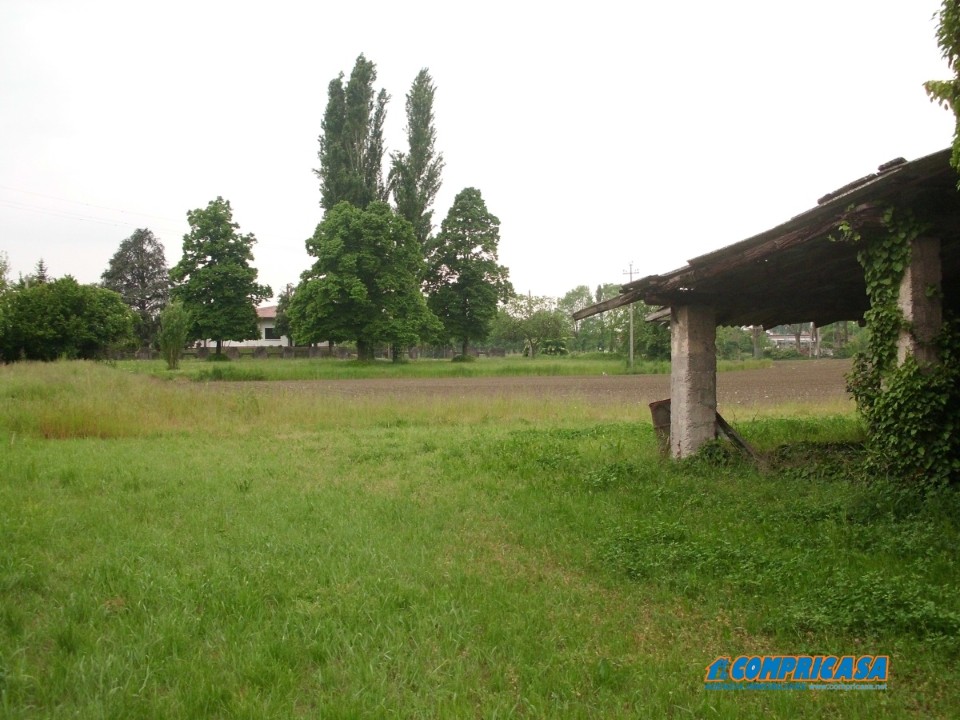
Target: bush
x=174 y=331
x=63 y=319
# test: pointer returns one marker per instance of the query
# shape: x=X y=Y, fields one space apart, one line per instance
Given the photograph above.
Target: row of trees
x=211 y=293
x=42 y=318
x=381 y=276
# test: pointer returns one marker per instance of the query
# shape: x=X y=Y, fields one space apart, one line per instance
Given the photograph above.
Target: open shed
x=801 y=271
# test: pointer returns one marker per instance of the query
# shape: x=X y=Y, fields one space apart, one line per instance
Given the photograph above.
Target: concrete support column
x=920 y=303
x=693 y=378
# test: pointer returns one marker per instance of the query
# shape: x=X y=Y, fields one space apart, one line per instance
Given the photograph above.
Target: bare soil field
x=801 y=381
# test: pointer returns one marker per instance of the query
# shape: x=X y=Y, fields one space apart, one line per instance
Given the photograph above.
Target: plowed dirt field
x=786 y=382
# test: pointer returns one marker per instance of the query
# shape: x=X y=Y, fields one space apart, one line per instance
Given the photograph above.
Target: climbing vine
x=911 y=411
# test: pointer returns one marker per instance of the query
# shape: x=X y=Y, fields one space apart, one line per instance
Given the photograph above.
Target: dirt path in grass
x=802 y=381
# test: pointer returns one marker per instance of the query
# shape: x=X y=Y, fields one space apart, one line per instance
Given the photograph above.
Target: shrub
x=174 y=331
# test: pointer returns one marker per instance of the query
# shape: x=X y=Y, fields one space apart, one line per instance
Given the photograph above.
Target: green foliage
x=532 y=320
x=947 y=92
x=138 y=272
x=214 y=279
x=364 y=285
x=554 y=347
x=62 y=319
x=40 y=273
x=733 y=343
x=414 y=178
x=351 y=146
x=175 y=324
x=464 y=281
x=911 y=412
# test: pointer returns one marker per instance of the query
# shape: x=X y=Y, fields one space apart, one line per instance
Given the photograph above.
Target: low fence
x=289 y=352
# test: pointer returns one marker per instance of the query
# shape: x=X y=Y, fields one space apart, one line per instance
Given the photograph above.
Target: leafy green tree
x=414 y=178
x=282 y=322
x=615 y=323
x=535 y=321
x=214 y=279
x=733 y=343
x=63 y=319
x=351 y=145
x=174 y=333
x=465 y=283
x=364 y=285
x=585 y=333
x=947 y=92
x=138 y=271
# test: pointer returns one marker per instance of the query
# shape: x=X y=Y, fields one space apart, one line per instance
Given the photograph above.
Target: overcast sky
x=600 y=133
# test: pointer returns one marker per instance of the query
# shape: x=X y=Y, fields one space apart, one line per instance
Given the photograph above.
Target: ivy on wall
x=912 y=413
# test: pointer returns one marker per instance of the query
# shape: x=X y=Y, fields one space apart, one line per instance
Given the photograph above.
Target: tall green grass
x=215 y=551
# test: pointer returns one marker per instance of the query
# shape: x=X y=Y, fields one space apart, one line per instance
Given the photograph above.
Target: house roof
x=267 y=313
x=797 y=271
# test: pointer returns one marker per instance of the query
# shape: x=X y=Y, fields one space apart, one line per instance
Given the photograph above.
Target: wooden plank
x=611 y=304
x=733 y=437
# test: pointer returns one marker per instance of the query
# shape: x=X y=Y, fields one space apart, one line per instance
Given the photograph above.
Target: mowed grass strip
x=255 y=555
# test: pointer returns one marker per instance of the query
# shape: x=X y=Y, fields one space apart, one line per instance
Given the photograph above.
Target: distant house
x=788 y=340
x=266 y=324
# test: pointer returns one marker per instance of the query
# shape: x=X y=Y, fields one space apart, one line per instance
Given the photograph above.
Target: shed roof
x=797 y=272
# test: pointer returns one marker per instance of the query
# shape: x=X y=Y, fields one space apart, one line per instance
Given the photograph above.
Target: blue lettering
x=787 y=666
x=863 y=667
x=804 y=666
x=826 y=668
x=753 y=668
x=717 y=670
x=844 y=670
x=879 y=669
x=770 y=668
x=737 y=672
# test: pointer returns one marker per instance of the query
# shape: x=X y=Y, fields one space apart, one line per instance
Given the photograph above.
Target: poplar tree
x=351 y=145
x=414 y=178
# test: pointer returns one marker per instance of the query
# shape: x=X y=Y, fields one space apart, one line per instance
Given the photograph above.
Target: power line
x=62 y=214
x=86 y=204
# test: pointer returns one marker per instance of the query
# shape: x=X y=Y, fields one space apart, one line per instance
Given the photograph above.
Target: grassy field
x=179 y=550
x=327 y=369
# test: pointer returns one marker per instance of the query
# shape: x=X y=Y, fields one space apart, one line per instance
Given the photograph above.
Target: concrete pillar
x=693 y=378
x=920 y=303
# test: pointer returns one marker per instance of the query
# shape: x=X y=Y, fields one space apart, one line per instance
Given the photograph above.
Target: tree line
x=380 y=275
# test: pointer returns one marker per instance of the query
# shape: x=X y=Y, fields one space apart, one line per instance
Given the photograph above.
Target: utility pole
x=630 y=361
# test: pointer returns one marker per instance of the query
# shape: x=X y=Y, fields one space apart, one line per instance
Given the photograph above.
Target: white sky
x=599 y=133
